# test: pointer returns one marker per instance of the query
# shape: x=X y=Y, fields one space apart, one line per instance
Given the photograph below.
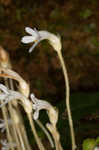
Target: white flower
x=36 y=36
x=9 y=95
x=38 y=105
x=3 y=125
x=41 y=104
x=6 y=145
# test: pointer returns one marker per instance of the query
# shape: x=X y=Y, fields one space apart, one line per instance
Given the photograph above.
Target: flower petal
x=28 y=39
x=4 y=89
x=32 y=96
x=33 y=46
x=30 y=31
x=36 y=115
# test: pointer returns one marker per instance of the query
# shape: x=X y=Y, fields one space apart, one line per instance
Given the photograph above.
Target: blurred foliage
x=90 y=144
x=95 y=42
x=85 y=13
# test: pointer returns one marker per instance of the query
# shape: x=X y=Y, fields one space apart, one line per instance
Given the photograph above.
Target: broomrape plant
x=10 y=99
x=55 y=41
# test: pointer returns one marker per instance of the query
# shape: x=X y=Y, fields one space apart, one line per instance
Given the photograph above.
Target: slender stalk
x=5 y=115
x=56 y=144
x=39 y=144
x=67 y=100
x=17 y=132
x=17 y=140
x=55 y=134
x=60 y=146
x=21 y=139
x=10 y=108
x=46 y=132
x=20 y=125
x=22 y=129
x=4 y=112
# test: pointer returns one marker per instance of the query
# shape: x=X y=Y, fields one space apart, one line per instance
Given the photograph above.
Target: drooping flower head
x=7 y=95
x=38 y=105
x=41 y=104
x=37 y=36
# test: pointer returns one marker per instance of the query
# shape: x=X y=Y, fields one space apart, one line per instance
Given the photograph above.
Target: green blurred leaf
x=85 y=13
x=97 y=141
x=88 y=144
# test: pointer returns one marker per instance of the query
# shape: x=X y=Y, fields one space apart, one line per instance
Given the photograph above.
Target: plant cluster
x=12 y=96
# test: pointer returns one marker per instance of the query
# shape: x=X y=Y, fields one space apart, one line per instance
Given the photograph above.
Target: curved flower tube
x=37 y=36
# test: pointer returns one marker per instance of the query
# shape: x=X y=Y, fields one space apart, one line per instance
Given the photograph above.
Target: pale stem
x=53 y=130
x=55 y=140
x=67 y=100
x=4 y=109
x=21 y=121
x=57 y=143
x=4 y=112
x=20 y=125
x=11 y=114
x=22 y=129
x=39 y=144
x=17 y=140
x=5 y=115
x=46 y=132
x=21 y=140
